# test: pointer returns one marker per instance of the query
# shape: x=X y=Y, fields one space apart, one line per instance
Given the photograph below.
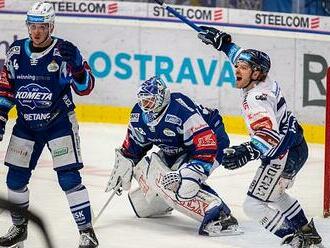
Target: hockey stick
x=178 y=15
x=116 y=191
x=30 y=215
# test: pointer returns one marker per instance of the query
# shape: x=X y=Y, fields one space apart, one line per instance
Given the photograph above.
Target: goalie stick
x=116 y=191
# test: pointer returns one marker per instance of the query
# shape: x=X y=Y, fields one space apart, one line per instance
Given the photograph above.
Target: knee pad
x=18 y=178
x=192 y=176
x=68 y=179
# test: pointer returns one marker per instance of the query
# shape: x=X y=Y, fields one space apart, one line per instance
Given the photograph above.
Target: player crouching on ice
x=191 y=140
x=276 y=138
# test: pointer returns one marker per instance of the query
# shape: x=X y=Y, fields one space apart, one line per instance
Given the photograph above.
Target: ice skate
x=14 y=237
x=219 y=224
x=88 y=239
x=226 y=225
x=304 y=238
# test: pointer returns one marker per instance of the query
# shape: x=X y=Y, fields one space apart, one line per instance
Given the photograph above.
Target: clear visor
x=147 y=102
x=38 y=26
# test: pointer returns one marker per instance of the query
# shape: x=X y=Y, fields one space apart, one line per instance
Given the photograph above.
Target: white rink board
x=119 y=228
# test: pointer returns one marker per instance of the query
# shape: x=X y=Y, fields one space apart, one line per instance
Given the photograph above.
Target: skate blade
x=231 y=232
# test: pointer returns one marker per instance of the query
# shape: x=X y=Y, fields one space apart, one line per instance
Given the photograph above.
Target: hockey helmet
x=41 y=12
x=259 y=61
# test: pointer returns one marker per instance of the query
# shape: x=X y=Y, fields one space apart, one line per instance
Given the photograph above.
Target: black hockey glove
x=71 y=55
x=237 y=156
x=3 y=121
x=214 y=37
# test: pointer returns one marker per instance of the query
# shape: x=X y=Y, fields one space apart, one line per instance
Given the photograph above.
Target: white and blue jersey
x=273 y=129
x=182 y=127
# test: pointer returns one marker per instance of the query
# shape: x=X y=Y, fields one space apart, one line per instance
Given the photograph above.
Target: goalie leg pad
x=155 y=207
x=150 y=183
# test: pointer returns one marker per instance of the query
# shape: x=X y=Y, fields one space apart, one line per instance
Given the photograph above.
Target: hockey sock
x=21 y=199
x=80 y=206
x=271 y=219
x=292 y=211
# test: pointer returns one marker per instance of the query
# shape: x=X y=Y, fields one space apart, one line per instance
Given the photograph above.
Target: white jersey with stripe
x=271 y=126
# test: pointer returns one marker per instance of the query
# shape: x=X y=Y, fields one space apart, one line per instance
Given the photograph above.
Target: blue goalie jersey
x=183 y=127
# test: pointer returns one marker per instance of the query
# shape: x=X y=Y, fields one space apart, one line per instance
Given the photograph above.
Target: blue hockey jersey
x=39 y=84
x=183 y=127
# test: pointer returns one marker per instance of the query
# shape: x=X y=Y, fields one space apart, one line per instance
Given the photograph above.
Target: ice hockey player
x=37 y=77
x=276 y=138
x=191 y=140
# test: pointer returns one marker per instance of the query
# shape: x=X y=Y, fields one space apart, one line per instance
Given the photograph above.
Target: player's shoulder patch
x=13 y=50
x=134 y=117
x=173 y=119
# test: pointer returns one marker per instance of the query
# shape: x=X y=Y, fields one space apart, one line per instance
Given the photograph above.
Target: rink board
x=133 y=43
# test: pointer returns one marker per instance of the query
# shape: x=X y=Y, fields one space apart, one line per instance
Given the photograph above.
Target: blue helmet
x=259 y=61
x=153 y=95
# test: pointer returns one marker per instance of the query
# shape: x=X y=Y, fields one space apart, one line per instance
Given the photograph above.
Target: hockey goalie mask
x=153 y=95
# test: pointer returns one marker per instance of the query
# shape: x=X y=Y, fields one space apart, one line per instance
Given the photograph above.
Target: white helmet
x=41 y=12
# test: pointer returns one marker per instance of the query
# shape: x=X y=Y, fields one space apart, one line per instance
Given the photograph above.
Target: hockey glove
x=72 y=56
x=122 y=172
x=237 y=156
x=214 y=37
x=3 y=121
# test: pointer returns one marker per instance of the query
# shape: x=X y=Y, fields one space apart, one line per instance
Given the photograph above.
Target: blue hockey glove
x=214 y=37
x=71 y=55
x=237 y=156
x=3 y=121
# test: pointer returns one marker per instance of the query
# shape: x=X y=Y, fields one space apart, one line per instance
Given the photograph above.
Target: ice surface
x=119 y=228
